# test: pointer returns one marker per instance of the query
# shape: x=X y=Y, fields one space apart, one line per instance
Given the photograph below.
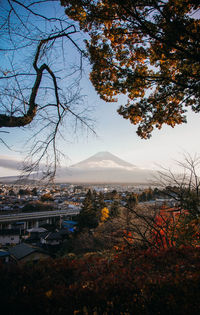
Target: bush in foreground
x=128 y=282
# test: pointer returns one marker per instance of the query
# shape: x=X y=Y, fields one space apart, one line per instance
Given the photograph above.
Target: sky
x=113 y=134
x=118 y=136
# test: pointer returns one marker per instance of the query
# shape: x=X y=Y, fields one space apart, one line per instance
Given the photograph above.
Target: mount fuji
x=103 y=160
x=104 y=167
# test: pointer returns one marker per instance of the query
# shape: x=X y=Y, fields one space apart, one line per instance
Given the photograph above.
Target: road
x=36 y=215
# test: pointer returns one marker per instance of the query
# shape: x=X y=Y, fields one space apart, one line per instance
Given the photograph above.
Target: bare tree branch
x=38 y=87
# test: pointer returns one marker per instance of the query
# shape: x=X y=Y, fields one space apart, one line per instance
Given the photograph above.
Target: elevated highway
x=33 y=218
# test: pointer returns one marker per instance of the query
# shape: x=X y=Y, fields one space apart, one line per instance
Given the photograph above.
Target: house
x=54 y=238
x=9 y=237
x=34 y=235
x=22 y=253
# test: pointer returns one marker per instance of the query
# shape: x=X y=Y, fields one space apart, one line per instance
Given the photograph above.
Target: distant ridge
x=17 y=180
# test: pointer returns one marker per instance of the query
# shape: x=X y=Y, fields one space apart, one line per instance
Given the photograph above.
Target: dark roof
x=53 y=236
x=22 y=250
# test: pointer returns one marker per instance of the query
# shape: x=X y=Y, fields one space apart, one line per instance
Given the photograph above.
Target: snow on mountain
x=103 y=160
x=103 y=167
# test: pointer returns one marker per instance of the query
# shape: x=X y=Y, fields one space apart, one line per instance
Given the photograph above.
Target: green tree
x=132 y=200
x=11 y=192
x=24 y=192
x=34 y=191
x=143 y=196
x=156 y=193
x=88 y=216
x=99 y=204
x=149 y=194
x=114 y=210
x=148 y=50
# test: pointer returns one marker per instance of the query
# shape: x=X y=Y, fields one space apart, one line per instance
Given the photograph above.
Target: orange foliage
x=174 y=227
x=128 y=237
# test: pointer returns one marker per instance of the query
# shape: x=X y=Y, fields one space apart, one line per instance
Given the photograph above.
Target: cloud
x=10 y=163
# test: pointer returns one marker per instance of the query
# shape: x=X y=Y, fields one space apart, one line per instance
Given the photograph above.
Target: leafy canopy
x=147 y=50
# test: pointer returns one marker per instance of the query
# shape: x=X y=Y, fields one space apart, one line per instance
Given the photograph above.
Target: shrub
x=128 y=282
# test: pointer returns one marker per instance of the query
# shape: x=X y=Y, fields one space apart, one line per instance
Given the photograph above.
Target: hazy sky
x=114 y=134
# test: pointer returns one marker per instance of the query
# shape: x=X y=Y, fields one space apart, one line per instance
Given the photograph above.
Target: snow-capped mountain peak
x=103 y=160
